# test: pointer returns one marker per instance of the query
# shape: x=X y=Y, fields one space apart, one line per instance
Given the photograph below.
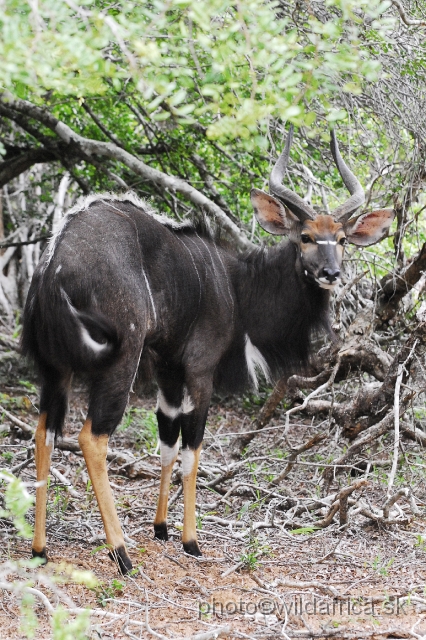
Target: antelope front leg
x=168 y=417
x=94 y=449
x=168 y=458
x=43 y=453
x=193 y=421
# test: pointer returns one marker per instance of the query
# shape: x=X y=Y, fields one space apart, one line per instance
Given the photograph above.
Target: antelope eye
x=305 y=238
x=343 y=241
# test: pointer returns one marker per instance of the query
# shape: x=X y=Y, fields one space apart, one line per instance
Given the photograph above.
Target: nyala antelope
x=119 y=286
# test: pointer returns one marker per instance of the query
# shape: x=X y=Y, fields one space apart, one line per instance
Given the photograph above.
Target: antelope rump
x=119 y=286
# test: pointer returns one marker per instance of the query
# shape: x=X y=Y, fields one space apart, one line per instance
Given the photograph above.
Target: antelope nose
x=331 y=274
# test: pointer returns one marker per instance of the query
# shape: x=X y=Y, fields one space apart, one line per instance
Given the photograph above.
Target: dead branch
x=396 y=427
x=396 y=285
x=340 y=504
x=16 y=161
x=371 y=401
x=410 y=22
x=345 y=633
x=63 y=480
x=89 y=148
x=131 y=466
x=6 y=245
x=391 y=501
x=8 y=342
x=316 y=439
x=338 y=304
x=343 y=499
x=212 y=633
x=24 y=427
x=358 y=353
x=232 y=569
x=367 y=513
x=370 y=435
x=316 y=391
x=415 y=434
x=263 y=419
x=300 y=584
x=36 y=592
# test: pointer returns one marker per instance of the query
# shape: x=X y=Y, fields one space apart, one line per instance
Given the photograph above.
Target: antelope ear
x=271 y=214
x=369 y=228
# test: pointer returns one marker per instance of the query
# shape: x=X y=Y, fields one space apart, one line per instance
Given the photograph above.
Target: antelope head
x=320 y=239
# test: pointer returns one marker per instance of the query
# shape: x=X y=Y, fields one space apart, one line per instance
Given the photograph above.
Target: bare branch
x=15 y=165
x=5 y=245
x=397 y=285
x=112 y=151
x=410 y=22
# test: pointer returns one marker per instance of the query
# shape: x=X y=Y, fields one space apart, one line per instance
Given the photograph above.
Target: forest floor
x=271 y=568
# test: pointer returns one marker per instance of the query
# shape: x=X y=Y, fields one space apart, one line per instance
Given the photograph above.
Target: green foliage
x=28 y=385
x=200 y=517
x=255 y=550
x=381 y=566
x=142 y=424
x=303 y=530
x=420 y=543
x=171 y=79
x=15 y=402
x=17 y=501
x=66 y=628
x=232 y=66
x=252 y=401
x=105 y=592
x=28 y=619
x=60 y=502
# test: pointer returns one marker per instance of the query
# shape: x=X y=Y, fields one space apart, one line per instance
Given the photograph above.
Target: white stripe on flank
x=255 y=360
x=97 y=347
x=227 y=279
x=168 y=454
x=188 y=461
x=216 y=280
x=87 y=339
x=150 y=295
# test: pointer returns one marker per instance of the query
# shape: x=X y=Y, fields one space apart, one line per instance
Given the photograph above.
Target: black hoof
x=192 y=548
x=160 y=531
x=120 y=557
x=40 y=554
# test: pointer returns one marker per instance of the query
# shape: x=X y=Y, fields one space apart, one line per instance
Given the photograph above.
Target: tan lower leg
x=163 y=498
x=190 y=460
x=94 y=449
x=43 y=454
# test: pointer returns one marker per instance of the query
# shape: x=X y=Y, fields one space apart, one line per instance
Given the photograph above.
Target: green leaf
x=303 y=530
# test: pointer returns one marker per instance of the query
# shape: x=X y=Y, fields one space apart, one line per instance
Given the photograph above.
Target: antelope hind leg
x=94 y=449
x=43 y=453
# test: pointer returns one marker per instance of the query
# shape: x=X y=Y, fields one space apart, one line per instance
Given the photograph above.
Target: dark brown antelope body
x=119 y=285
